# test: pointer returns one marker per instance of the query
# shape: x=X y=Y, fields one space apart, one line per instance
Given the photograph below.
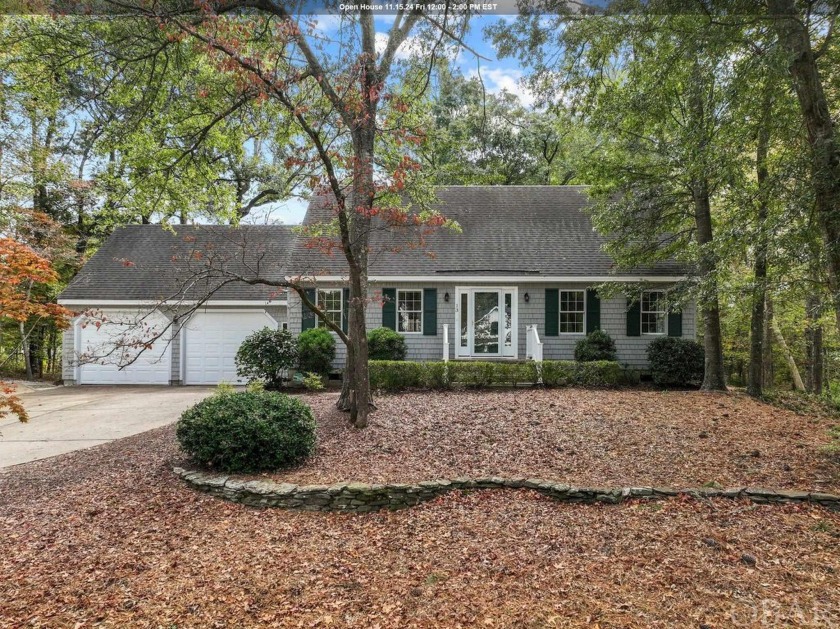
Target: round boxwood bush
x=598 y=345
x=676 y=361
x=316 y=351
x=247 y=431
x=385 y=344
x=267 y=355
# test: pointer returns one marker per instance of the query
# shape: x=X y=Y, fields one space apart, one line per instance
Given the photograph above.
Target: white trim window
x=654 y=312
x=330 y=303
x=410 y=311
x=572 y=311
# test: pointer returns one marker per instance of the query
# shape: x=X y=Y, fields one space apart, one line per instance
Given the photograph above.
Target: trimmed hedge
x=388 y=375
x=247 y=431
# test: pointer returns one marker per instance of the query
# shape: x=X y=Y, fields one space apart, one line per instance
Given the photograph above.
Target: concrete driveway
x=63 y=419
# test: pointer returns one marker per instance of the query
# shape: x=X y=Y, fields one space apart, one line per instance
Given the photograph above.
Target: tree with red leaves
x=22 y=270
x=353 y=119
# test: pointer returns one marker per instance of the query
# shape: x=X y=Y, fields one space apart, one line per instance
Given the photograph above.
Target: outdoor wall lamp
x=527 y=298
x=446 y=297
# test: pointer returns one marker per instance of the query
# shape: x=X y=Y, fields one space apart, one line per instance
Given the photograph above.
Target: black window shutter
x=345 y=308
x=389 y=308
x=429 y=311
x=675 y=323
x=307 y=321
x=552 y=312
x=634 y=318
x=593 y=310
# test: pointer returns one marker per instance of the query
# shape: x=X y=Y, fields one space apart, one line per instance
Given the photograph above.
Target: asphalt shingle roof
x=516 y=231
x=150 y=262
x=506 y=230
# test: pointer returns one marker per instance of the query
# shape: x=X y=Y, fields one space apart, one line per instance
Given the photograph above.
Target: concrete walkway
x=63 y=419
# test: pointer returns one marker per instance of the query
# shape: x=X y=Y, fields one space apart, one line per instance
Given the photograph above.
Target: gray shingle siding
x=631 y=350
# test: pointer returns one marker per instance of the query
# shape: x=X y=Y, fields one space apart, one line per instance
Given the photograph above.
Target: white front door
x=487 y=319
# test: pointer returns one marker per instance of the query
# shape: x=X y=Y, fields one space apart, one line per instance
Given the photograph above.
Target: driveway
x=63 y=419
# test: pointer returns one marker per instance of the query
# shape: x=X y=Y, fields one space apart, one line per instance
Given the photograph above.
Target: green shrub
x=387 y=375
x=558 y=373
x=394 y=375
x=247 y=431
x=473 y=374
x=598 y=345
x=316 y=351
x=313 y=382
x=513 y=374
x=676 y=361
x=267 y=355
x=600 y=373
x=437 y=375
x=386 y=344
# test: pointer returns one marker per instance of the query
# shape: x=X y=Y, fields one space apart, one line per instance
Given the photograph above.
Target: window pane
x=653 y=312
x=571 y=322
x=464 y=319
x=508 y=319
x=410 y=309
x=329 y=300
x=571 y=311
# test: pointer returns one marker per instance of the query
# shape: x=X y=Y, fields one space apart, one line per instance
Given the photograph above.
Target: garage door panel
x=102 y=361
x=211 y=340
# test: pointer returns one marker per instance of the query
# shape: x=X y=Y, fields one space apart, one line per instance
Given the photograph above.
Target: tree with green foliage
x=347 y=110
x=656 y=87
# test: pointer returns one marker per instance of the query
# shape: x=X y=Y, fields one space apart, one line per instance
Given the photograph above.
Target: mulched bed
x=584 y=437
x=109 y=537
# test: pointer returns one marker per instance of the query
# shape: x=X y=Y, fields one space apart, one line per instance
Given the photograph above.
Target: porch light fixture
x=446 y=297
x=527 y=298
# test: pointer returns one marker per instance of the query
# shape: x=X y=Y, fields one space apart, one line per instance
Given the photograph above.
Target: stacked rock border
x=364 y=498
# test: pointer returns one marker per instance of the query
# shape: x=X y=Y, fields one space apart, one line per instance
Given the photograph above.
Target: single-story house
x=517 y=280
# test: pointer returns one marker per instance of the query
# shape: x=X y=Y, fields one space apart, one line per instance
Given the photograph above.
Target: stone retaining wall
x=363 y=498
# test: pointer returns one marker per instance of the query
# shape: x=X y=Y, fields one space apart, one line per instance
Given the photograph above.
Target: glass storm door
x=487 y=322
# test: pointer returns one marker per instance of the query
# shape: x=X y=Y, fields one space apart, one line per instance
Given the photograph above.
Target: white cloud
x=508 y=80
x=325 y=22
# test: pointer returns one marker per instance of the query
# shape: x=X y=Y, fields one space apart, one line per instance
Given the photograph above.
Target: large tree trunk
x=768 y=375
x=713 y=377
x=356 y=376
x=794 y=370
x=755 y=381
x=814 y=344
x=795 y=39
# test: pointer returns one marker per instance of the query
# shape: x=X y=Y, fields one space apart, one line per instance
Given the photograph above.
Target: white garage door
x=211 y=340
x=110 y=352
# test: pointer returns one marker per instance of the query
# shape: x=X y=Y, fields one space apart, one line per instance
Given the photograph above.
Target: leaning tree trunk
x=795 y=39
x=791 y=361
x=755 y=382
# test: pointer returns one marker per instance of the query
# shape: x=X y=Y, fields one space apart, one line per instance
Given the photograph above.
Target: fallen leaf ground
x=109 y=537
x=595 y=438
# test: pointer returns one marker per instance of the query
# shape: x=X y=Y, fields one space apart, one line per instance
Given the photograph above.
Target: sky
x=497 y=75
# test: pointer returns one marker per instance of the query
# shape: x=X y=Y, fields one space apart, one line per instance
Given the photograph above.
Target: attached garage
x=112 y=340
x=210 y=340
